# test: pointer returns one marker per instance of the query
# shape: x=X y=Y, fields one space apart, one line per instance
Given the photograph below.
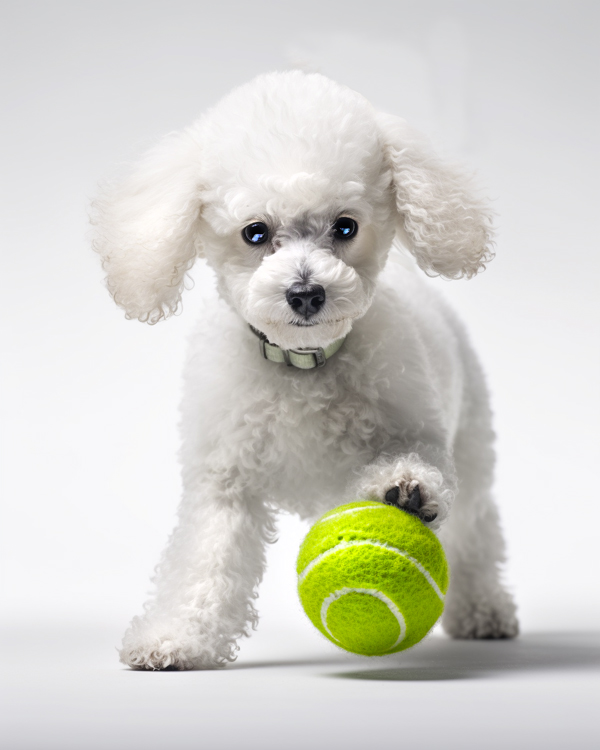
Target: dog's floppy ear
x=146 y=229
x=444 y=222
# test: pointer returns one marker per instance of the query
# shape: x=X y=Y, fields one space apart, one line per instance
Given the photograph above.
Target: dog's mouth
x=310 y=323
x=304 y=323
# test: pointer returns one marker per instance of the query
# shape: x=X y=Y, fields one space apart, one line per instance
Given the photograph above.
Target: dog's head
x=293 y=188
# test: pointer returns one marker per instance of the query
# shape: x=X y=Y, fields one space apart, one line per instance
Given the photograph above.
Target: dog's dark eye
x=345 y=228
x=256 y=234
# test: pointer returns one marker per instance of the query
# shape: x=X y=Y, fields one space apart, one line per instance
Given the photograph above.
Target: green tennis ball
x=372 y=578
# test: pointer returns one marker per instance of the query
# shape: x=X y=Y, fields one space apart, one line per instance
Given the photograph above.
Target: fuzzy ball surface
x=372 y=578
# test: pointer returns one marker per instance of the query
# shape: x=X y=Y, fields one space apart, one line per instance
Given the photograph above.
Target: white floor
x=65 y=689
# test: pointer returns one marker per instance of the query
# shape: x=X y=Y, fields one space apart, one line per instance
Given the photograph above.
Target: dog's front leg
x=410 y=482
x=206 y=580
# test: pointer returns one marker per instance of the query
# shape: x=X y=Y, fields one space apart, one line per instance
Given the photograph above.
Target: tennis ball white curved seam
x=371 y=542
x=370 y=592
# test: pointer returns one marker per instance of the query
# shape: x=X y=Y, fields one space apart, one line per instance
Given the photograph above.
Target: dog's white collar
x=303 y=359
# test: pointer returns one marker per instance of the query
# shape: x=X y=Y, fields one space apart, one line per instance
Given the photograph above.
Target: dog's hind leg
x=477 y=604
x=206 y=580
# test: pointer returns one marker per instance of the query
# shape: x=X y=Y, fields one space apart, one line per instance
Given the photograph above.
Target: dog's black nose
x=305 y=299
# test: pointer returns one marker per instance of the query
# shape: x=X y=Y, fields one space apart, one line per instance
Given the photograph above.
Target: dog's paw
x=180 y=646
x=154 y=656
x=410 y=484
x=409 y=496
x=482 y=620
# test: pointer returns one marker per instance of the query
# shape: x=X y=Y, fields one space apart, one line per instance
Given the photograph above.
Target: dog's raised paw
x=409 y=484
x=411 y=498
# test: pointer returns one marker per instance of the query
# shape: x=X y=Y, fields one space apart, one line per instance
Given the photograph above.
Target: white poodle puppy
x=324 y=375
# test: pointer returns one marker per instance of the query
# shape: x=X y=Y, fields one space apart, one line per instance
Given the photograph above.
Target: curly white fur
x=445 y=222
x=146 y=230
x=403 y=404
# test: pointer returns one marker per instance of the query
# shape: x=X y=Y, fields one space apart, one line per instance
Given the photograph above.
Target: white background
x=89 y=400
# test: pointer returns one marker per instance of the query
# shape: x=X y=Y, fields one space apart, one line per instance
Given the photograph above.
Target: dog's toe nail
x=392 y=496
x=414 y=499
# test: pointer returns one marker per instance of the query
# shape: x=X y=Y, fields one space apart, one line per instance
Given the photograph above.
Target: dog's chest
x=308 y=433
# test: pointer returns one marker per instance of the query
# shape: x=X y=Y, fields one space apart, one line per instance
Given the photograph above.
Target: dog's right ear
x=146 y=229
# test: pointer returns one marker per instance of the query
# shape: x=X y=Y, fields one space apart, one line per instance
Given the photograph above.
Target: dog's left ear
x=444 y=222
